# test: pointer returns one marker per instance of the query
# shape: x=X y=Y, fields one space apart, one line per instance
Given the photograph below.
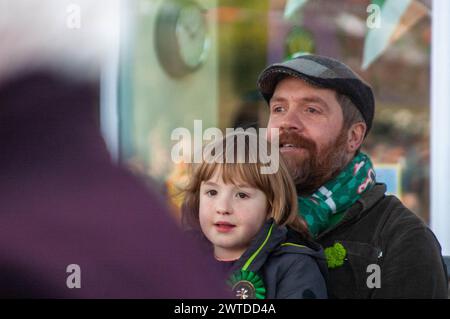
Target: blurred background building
x=388 y=42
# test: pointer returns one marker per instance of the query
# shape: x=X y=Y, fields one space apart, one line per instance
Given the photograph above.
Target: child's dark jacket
x=289 y=266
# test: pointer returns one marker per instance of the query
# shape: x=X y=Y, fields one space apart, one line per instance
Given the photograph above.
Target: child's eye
x=242 y=195
x=211 y=192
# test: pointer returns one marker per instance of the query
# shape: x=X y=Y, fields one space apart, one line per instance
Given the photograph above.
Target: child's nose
x=223 y=211
x=224 y=207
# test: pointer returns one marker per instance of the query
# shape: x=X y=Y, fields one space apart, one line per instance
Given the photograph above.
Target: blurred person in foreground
x=375 y=246
x=62 y=201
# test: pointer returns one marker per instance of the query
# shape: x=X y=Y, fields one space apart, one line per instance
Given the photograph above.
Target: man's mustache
x=297 y=140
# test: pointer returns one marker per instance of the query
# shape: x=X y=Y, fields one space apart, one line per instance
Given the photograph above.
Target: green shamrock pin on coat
x=335 y=255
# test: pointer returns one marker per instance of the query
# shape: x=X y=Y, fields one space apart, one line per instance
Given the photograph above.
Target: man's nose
x=291 y=121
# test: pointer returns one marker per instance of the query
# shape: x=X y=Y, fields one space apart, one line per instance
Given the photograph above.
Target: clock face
x=182 y=40
x=192 y=36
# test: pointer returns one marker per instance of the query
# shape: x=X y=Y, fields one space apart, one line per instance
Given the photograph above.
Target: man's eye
x=242 y=195
x=312 y=110
x=211 y=192
x=277 y=109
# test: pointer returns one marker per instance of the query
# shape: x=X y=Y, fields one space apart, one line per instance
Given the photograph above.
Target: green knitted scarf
x=326 y=206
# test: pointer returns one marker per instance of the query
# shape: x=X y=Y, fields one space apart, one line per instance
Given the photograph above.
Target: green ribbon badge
x=247 y=285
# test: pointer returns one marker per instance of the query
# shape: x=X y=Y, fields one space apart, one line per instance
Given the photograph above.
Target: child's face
x=231 y=215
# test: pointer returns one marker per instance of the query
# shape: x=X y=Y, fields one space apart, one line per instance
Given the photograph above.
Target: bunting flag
x=396 y=17
x=292 y=6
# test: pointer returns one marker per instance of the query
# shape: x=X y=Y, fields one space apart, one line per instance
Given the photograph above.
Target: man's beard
x=313 y=169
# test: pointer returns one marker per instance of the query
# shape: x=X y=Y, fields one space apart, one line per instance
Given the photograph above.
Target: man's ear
x=355 y=136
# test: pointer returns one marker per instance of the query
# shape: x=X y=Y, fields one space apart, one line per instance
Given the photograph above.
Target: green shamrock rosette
x=335 y=255
x=247 y=285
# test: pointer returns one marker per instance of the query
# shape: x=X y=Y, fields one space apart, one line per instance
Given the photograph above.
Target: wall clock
x=181 y=36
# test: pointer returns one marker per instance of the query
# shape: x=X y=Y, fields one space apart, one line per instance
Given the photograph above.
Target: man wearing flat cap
x=375 y=246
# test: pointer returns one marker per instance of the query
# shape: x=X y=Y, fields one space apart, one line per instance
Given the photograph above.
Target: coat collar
x=268 y=239
x=274 y=240
x=365 y=203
